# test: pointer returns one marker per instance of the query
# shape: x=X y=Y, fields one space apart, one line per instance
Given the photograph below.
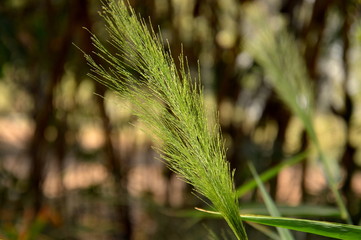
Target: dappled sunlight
x=289 y=189
x=15 y=130
x=91 y=137
x=281 y=78
x=84 y=175
x=315 y=180
x=148 y=179
x=356 y=184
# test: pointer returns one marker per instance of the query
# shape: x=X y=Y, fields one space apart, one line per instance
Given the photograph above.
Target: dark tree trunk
x=45 y=107
x=275 y=110
x=312 y=36
x=348 y=158
x=115 y=165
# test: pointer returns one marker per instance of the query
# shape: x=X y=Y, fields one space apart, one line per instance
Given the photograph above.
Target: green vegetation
x=219 y=119
x=285 y=70
x=170 y=105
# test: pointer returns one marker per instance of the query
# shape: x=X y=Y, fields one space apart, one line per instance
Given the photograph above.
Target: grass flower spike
x=169 y=103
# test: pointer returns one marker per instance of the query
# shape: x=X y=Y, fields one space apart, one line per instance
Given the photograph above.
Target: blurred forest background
x=73 y=166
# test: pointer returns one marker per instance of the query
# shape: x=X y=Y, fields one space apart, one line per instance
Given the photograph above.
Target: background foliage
x=71 y=165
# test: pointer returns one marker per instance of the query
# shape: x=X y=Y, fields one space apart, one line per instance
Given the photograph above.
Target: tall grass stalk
x=169 y=103
x=278 y=54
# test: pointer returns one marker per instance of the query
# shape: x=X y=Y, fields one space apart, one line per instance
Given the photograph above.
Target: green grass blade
x=322 y=228
x=271 y=206
x=265 y=230
x=299 y=211
x=334 y=186
x=327 y=229
x=260 y=209
x=270 y=173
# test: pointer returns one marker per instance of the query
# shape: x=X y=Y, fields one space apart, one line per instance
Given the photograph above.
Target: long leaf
x=322 y=228
x=271 y=206
x=327 y=229
x=294 y=211
x=259 y=209
x=270 y=173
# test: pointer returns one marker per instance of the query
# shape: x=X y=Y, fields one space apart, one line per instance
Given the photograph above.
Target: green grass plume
x=169 y=103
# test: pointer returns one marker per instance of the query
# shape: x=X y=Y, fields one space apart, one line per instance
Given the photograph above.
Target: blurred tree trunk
x=311 y=37
x=45 y=108
x=348 y=158
x=227 y=83
x=115 y=165
x=289 y=9
x=76 y=18
x=275 y=110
